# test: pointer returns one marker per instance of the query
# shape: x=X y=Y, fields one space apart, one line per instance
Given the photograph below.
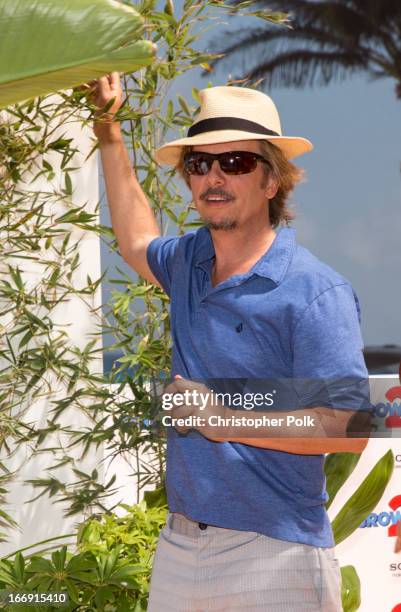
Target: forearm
x=305 y=446
x=309 y=431
x=131 y=215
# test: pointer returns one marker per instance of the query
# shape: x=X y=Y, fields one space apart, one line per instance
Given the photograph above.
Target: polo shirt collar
x=273 y=264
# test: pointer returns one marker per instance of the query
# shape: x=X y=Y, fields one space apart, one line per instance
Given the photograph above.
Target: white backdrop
x=44 y=519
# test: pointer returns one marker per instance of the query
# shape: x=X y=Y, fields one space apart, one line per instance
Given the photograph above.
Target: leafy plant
x=109 y=570
x=6 y=521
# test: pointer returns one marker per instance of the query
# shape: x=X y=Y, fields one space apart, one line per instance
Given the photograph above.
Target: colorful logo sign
x=391 y=409
x=386 y=518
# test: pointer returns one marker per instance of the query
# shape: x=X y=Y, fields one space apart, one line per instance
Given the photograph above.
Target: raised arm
x=132 y=218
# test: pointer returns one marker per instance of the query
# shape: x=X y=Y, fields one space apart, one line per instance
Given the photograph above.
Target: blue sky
x=349 y=208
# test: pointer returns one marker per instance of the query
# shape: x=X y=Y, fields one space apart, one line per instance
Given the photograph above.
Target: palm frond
x=267 y=42
x=306 y=68
x=326 y=40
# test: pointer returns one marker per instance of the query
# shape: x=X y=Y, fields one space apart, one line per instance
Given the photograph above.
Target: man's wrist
x=224 y=430
x=107 y=132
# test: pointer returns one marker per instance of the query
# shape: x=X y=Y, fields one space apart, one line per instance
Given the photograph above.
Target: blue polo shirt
x=289 y=317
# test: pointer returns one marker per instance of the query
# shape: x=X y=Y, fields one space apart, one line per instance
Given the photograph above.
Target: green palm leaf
x=46 y=46
x=364 y=500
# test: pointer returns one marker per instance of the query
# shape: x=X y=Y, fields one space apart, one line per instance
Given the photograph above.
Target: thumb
x=178 y=376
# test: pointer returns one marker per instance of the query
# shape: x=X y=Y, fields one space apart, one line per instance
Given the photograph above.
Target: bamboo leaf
x=25 y=339
x=170 y=111
x=184 y=105
x=48 y=46
x=68 y=184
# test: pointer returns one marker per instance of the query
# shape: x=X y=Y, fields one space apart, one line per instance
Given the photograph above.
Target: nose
x=215 y=175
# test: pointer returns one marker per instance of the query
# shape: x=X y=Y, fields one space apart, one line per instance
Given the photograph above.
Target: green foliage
x=364 y=499
x=350 y=589
x=338 y=467
x=107 y=40
x=109 y=570
x=6 y=521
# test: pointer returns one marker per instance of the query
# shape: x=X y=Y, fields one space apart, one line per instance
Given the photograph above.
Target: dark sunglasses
x=231 y=162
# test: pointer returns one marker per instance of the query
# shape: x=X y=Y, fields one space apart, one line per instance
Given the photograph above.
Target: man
x=247 y=528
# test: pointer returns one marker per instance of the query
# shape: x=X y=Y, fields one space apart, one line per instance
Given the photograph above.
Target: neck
x=239 y=249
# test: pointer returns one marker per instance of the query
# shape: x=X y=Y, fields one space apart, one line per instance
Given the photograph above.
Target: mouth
x=214 y=200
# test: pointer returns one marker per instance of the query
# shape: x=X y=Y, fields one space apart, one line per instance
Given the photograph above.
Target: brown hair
x=287 y=175
x=285 y=172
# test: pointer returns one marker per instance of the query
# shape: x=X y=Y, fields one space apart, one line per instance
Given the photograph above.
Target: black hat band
x=229 y=123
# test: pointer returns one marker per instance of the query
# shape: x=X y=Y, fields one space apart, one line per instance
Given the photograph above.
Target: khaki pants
x=198 y=569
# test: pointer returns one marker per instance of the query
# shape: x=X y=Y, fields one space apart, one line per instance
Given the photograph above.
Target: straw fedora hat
x=228 y=114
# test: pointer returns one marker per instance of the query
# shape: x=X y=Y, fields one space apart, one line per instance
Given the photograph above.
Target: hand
x=100 y=92
x=197 y=404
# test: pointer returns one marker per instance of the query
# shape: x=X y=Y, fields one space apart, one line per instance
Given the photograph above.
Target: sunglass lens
x=232 y=162
x=203 y=165
x=197 y=164
x=238 y=163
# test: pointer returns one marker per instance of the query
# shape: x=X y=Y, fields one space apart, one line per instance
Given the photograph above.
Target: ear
x=271 y=187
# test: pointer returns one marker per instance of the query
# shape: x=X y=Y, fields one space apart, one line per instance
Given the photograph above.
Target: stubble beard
x=224 y=225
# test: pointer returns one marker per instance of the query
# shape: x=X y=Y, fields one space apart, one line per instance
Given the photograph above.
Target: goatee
x=224 y=224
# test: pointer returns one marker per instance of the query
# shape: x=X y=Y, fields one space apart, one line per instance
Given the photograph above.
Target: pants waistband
x=181 y=524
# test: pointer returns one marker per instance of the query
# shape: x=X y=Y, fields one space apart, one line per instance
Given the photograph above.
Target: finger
x=88 y=84
x=183 y=383
x=83 y=87
x=181 y=412
x=104 y=85
x=171 y=388
x=114 y=80
x=179 y=384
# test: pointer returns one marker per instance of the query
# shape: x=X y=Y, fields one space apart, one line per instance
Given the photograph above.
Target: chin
x=222 y=224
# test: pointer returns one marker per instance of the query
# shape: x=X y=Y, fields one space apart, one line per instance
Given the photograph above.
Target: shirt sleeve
x=329 y=367
x=161 y=256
